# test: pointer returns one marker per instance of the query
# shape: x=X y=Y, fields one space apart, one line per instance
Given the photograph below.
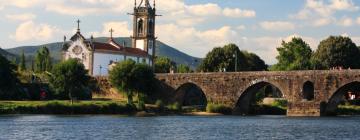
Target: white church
x=97 y=57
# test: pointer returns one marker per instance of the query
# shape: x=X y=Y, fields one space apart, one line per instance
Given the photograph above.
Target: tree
x=234 y=55
x=70 y=80
x=9 y=84
x=214 y=61
x=224 y=58
x=129 y=77
x=255 y=62
x=336 y=51
x=22 y=62
x=183 y=69
x=119 y=77
x=43 y=60
x=143 y=79
x=293 y=55
x=32 y=65
x=163 y=65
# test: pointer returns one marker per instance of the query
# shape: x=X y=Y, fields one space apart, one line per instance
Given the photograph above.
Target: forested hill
x=7 y=54
x=161 y=50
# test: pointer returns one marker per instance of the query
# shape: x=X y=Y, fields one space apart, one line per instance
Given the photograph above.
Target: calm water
x=177 y=127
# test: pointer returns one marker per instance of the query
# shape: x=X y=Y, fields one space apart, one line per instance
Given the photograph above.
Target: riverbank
x=65 y=107
x=112 y=107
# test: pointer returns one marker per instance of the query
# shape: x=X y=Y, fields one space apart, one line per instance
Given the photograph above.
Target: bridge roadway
x=309 y=93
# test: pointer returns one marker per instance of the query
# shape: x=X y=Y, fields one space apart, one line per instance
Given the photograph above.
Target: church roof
x=98 y=46
x=77 y=36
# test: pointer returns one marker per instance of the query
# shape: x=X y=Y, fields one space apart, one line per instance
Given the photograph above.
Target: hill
x=8 y=55
x=161 y=50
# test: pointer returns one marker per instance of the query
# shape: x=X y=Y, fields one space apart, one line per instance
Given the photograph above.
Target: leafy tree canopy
x=293 y=55
x=337 y=51
x=255 y=62
x=9 y=84
x=163 y=65
x=228 y=57
x=183 y=69
x=130 y=77
x=69 y=80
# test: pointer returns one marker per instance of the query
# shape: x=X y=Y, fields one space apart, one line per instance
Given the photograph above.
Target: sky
x=192 y=26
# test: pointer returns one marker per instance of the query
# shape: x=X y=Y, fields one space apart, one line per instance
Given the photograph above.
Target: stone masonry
x=235 y=89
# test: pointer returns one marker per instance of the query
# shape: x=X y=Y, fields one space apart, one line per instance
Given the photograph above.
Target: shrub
x=218 y=108
x=175 y=107
x=160 y=104
x=280 y=103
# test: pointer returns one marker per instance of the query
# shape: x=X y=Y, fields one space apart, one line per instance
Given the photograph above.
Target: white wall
x=103 y=60
x=140 y=44
x=85 y=53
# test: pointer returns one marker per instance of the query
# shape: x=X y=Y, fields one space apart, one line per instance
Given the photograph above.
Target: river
x=45 y=127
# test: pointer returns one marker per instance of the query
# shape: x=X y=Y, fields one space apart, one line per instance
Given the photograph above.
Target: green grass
x=348 y=110
x=65 y=107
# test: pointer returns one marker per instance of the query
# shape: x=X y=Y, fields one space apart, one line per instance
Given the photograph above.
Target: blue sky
x=192 y=26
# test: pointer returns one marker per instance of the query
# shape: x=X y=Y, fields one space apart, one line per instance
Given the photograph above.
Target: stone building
x=97 y=57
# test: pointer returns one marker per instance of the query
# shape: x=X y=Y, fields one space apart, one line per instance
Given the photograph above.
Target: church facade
x=98 y=57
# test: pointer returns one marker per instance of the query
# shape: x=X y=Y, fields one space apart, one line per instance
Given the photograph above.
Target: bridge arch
x=308 y=91
x=190 y=94
x=329 y=108
x=243 y=104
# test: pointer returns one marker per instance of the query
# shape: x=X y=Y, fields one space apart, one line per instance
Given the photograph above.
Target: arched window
x=308 y=91
x=140 y=26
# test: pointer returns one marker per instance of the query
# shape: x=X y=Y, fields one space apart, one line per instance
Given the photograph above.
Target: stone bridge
x=309 y=93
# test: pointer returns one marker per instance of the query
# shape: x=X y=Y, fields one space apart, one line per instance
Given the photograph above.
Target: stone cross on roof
x=111 y=32
x=78 y=24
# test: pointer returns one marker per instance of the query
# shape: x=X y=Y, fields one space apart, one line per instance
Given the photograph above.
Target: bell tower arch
x=144 y=27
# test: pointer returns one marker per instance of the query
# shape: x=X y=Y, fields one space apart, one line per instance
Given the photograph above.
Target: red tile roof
x=120 y=49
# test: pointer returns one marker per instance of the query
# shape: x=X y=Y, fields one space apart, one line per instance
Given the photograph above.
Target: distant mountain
x=8 y=55
x=161 y=50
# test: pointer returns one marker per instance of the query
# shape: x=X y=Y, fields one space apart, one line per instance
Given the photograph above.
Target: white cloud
x=346 y=22
x=19 y=3
x=193 y=41
x=356 y=40
x=209 y=9
x=241 y=27
x=238 y=13
x=190 y=21
x=277 y=25
x=321 y=13
x=71 y=10
x=32 y=31
x=343 y=5
x=120 y=29
x=21 y=17
x=88 y=7
x=322 y=22
x=358 y=20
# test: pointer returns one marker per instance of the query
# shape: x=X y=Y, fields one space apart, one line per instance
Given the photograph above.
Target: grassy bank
x=65 y=107
x=348 y=110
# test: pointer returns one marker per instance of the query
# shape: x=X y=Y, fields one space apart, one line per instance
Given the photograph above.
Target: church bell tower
x=144 y=27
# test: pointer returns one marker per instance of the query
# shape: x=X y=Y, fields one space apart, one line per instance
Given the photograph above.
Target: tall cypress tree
x=43 y=60
x=22 y=62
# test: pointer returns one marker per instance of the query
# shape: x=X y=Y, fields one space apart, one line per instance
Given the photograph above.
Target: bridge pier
x=303 y=108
